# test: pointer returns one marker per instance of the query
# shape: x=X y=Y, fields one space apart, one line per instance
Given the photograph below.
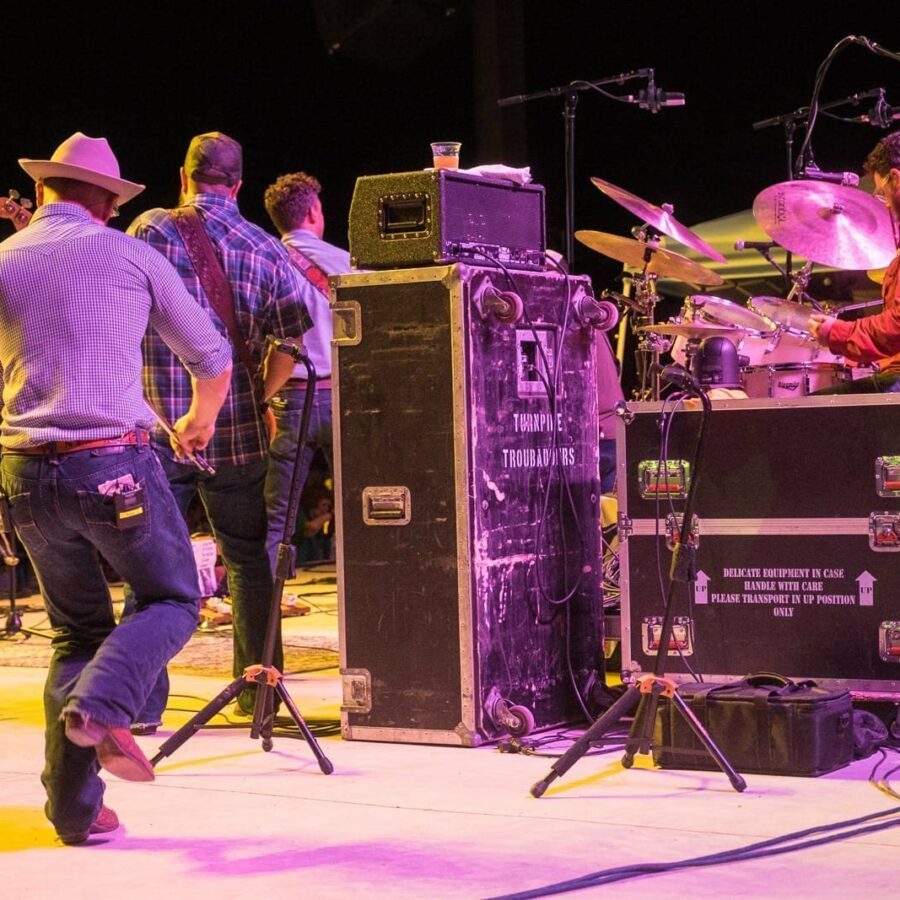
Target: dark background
x=404 y=73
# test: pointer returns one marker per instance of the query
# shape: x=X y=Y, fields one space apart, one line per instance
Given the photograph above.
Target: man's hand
x=191 y=435
x=820 y=327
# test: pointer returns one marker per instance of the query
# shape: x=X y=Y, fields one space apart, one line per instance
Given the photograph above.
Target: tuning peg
x=13 y=194
x=26 y=204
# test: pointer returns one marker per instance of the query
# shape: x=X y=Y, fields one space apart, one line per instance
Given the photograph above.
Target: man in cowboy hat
x=267 y=300
x=75 y=300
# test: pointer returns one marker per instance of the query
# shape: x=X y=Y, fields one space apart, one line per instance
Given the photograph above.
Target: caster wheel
x=522 y=721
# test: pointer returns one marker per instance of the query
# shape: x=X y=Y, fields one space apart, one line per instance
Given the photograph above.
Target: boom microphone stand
x=569 y=93
x=264 y=675
x=646 y=692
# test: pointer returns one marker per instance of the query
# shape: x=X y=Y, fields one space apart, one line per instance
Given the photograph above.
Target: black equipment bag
x=765 y=724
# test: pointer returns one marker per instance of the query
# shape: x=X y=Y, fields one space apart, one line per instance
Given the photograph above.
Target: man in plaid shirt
x=269 y=300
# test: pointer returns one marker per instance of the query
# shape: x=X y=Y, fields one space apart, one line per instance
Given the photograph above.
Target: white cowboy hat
x=84 y=159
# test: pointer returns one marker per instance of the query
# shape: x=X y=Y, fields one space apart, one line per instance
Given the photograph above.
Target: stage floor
x=226 y=820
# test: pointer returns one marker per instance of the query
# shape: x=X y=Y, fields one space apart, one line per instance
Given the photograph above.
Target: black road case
x=445 y=440
x=798 y=540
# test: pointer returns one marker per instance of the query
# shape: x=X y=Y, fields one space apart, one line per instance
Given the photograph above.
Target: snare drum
x=797 y=380
x=725 y=312
x=747 y=324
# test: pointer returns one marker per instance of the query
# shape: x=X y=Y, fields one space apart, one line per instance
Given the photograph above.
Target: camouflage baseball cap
x=214 y=158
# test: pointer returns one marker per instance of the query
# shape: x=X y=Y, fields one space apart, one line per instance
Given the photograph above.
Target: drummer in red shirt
x=875 y=339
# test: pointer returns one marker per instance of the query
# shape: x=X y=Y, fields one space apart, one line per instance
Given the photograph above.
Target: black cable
x=600 y=91
x=772 y=847
x=550 y=378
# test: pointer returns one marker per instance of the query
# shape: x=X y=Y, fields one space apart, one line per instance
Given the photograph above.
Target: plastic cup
x=445 y=154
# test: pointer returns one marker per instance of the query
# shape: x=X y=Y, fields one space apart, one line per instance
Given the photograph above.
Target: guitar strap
x=212 y=277
x=313 y=274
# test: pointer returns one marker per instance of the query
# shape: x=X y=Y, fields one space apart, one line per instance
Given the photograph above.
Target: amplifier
x=444 y=216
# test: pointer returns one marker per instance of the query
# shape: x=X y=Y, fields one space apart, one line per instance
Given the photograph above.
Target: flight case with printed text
x=452 y=628
x=797 y=531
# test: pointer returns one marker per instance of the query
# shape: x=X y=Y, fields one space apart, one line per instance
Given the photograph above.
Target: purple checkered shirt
x=269 y=298
x=76 y=298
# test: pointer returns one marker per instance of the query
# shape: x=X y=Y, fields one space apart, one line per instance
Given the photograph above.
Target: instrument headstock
x=17 y=209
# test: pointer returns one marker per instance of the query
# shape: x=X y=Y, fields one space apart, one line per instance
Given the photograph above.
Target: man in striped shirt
x=295 y=209
x=75 y=300
x=268 y=302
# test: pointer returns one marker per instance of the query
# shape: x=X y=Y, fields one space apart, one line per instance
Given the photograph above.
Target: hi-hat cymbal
x=827 y=223
x=693 y=331
x=659 y=217
x=662 y=262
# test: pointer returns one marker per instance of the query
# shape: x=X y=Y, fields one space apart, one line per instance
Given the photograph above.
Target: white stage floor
x=226 y=820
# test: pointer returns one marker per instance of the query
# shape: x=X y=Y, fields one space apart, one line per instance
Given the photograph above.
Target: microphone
x=654 y=99
x=848 y=179
x=755 y=245
x=679 y=376
x=628 y=302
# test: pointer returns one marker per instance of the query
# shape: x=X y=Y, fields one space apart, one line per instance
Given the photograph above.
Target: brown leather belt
x=139 y=436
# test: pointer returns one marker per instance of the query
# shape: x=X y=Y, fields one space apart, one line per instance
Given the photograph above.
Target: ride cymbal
x=827 y=223
x=658 y=261
x=693 y=331
x=659 y=217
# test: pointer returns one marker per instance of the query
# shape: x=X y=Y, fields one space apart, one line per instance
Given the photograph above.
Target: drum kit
x=825 y=223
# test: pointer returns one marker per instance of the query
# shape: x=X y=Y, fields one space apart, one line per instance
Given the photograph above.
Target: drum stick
x=196 y=458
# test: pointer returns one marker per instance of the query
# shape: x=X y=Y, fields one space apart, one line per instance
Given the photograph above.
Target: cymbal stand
x=649 y=345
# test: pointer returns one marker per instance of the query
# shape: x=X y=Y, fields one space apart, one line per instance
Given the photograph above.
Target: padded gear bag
x=764 y=724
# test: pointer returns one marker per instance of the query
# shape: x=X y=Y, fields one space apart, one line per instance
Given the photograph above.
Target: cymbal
x=693 y=331
x=827 y=223
x=659 y=217
x=662 y=262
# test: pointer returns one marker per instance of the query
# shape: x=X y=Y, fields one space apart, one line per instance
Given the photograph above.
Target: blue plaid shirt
x=269 y=298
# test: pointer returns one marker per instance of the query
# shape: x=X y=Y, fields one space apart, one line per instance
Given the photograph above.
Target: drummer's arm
x=865 y=340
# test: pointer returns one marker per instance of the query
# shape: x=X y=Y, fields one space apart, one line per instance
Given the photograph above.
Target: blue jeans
x=233 y=499
x=99 y=669
x=287 y=405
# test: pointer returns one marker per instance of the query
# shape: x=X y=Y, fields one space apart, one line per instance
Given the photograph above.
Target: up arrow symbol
x=866 y=588
x=701 y=587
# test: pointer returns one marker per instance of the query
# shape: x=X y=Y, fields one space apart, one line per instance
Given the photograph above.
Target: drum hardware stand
x=646 y=692
x=265 y=676
x=11 y=561
x=649 y=345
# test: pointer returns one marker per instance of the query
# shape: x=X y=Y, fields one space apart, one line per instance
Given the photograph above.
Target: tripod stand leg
x=622 y=707
x=737 y=782
x=192 y=726
x=640 y=737
x=324 y=763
